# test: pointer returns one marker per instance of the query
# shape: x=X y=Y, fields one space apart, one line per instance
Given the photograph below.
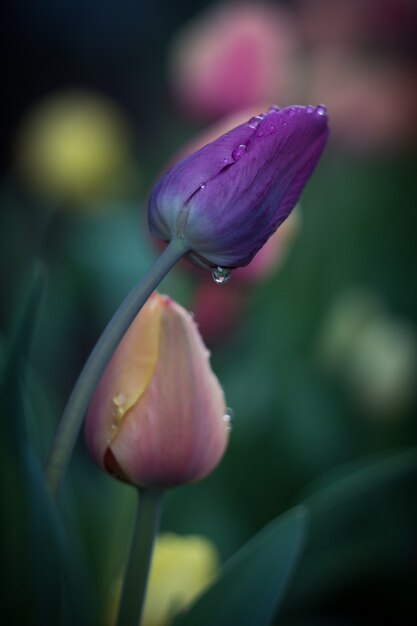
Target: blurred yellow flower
x=372 y=351
x=182 y=567
x=382 y=368
x=73 y=148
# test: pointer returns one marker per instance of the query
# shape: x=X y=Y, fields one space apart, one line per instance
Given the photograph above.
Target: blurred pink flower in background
x=372 y=103
x=387 y=24
x=360 y=58
x=234 y=55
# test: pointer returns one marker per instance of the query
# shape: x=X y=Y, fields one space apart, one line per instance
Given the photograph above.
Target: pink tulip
x=158 y=416
x=233 y=56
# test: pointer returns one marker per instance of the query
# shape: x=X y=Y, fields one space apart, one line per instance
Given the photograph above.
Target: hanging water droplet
x=321 y=110
x=221 y=275
x=239 y=152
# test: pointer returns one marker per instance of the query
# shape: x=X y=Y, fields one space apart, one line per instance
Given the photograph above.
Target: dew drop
x=119 y=399
x=321 y=110
x=228 y=418
x=239 y=152
x=292 y=112
x=310 y=109
x=203 y=186
x=254 y=121
x=221 y=275
x=273 y=108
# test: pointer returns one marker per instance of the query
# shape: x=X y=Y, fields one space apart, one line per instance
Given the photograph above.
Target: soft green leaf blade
x=357 y=479
x=252 y=583
x=28 y=523
x=363 y=520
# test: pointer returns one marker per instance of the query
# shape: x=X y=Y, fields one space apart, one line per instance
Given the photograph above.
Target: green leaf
x=28 y=531
x=363 y=520
x=355 y=480
x=252 y=583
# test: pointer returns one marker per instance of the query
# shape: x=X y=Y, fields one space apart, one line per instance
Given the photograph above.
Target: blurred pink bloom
x=379 y=24
x=158 y=417
x=234 y=55
x=217 y=310
x=373 y=105
x=360 y=58
x=331 y=22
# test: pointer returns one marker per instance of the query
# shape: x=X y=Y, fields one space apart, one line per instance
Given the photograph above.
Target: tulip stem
x=74 y=412
x=137 y=569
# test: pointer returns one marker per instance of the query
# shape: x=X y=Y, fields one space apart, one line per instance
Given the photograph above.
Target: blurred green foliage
x=295 y=420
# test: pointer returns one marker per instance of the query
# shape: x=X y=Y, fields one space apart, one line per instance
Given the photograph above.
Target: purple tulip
x=230 y=196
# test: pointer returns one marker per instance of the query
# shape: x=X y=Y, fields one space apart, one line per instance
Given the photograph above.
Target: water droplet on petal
x=292 y=111
x=310 y=109
x=203 y=186
x=239 y=152
x=221 y=275
x=228 y=418
x=254 y=121
x=119 y=399
x=226 y=160
x=273 y=108
x=321 y=110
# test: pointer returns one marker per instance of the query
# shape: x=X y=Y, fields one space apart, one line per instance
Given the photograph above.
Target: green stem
x=137 y=570
x=73 y=415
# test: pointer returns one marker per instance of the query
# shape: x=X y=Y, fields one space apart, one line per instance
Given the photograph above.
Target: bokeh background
x=315 y=344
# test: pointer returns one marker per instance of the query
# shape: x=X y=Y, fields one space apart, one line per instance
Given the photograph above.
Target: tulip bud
x=230 y=196
x=157 y=418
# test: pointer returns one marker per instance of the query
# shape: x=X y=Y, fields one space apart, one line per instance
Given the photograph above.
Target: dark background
x=318 y=357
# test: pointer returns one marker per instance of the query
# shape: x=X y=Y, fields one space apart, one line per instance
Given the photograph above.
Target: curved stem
x=137 y=570
x=73 y=415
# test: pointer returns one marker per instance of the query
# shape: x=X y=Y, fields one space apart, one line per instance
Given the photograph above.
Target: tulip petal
x=125 y=378
x=267 y=183
x=226 y=213
x=183 y=180
x=176 y=432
